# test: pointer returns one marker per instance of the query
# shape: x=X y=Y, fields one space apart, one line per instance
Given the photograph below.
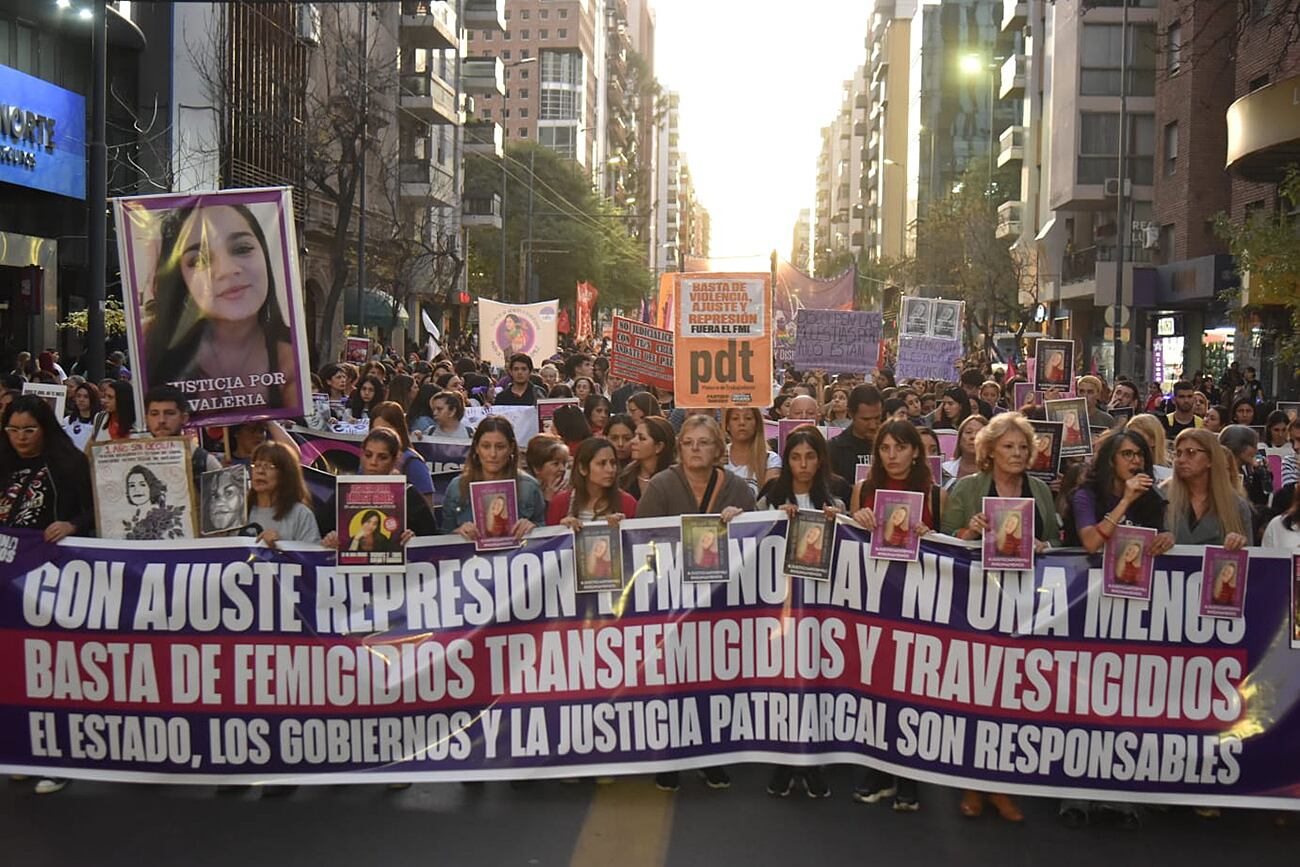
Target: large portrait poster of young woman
x=214 y=303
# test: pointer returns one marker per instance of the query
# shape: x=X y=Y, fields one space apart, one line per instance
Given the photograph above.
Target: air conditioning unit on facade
x=1110 y=188
x=309 y=24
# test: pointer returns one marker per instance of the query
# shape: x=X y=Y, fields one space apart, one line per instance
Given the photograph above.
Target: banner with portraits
x=214 y=302
x=276 y=667
x=505 y=329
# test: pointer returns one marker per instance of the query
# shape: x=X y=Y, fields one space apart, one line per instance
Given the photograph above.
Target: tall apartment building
x=885 y=186
x=1068 y=76
x=838 y=204
x=801 y=243
x=681 y=223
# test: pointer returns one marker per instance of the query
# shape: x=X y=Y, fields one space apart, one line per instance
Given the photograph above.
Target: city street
x=627 y=823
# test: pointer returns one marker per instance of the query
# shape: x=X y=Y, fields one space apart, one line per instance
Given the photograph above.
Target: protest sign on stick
x=505 y=329
x=724 y=340
x=837 y=341
x=193 y=261
x=641 y=353
x=928 y=358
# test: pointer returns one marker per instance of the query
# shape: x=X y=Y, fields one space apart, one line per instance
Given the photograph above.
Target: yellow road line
x=628 y=823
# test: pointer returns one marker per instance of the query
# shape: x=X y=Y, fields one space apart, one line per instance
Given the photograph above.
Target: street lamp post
x=1120 y=228
x=97 y=194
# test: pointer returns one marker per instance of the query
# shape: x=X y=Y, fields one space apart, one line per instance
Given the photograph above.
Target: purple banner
x=225 y=661
x=928 y=358
x=794 y=291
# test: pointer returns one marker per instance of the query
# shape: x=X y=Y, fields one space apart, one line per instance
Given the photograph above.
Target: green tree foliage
x=959 y=256
x=577 y=236
x=1267 y=253
x=114 y=320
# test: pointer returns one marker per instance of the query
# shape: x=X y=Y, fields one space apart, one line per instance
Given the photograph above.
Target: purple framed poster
x=1223 y=582
x=214 y=302
x=897 y=515
x=1076 y=436
x=808 y=545
x=1126 y=563
x=495 y=506
x=785 y=426
x=1009 y=539
x=947 y=443
x=1045 y=457
x=705 y=555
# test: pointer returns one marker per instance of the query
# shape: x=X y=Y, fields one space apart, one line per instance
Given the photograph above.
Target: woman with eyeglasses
x=1204 y=507
x=696 y=485
x=279 y=506
x=1152 y=432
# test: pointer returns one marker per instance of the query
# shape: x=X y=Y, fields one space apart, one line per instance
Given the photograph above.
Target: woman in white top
x=1284 y=530
x=747 y=453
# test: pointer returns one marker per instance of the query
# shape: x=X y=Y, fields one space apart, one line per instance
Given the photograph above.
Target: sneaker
x=781 y=783
x=716 y=778
x=905 y=799
x=815 y=784
x=875 y=786
x=50 y=785
x=668 y=781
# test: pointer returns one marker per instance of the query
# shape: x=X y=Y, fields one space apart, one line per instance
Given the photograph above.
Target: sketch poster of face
x=599 y=557
x=809 y=539
x=897 y=515
x=371 y=521
x=916 y=317
x=495 y=506
x=1053 y=363
x=1223 y=582
x=143 y=488
x=945 y=319
x=1009 y=540
x=223 y=494
x=1045 y=456
x=55 y=395
x=704 y=548
x=1126 y=563
x=1076 y=436
x=214 y=302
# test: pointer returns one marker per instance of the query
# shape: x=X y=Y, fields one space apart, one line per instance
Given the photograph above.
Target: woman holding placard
x=898 y=463
x=1118 y=489
x=493 y=456
x=804 y=481
x=1002 y=452
x=595 y=493
x=1204 y=506
x=380 y=452
x=696 y=485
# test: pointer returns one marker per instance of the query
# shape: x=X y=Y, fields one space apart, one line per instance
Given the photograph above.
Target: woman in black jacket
x=44 y=478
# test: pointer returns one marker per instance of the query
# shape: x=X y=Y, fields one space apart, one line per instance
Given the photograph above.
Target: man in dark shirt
x=521 y=391
x=866 y=408
x=1182 y=417
x=971 y=380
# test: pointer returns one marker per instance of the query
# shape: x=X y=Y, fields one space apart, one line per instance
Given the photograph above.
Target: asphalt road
x=627 y=823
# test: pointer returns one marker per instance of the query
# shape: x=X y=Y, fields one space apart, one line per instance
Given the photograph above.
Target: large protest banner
x=724 y=340
x=927 y=358
x=228 y=257
x=641 y=353
x=505 y=329
x=795 y=291
x=225 y=661
x=837 y=341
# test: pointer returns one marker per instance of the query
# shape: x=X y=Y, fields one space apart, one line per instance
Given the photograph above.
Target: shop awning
x=376 y=309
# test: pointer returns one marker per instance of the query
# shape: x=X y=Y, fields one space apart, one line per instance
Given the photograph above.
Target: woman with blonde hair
x=1150 y=429
x=1204 y=506
x=963 y=462
x=747 y=454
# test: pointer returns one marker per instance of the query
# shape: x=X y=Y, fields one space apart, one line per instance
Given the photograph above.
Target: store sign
x=42 y=135
x=1169 y=326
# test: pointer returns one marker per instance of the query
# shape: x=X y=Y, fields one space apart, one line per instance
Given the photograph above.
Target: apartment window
x=523 y=132
x=523 y=73
x=487 y=112
x=487 y=35
x=543 y=34
x=526 y=34
x=506 y=95
x=505 y=55
x=561 y=67
x=524 y=14
x=1167 y=242
x=1174 y=46
x=525 y=53
x=1100 y=71
x=558 y=104
x=545 y=13
x=1099 y=147
x=561 y=139
x=564 y=13
x=564 y=33
x=523 y=93
x=505 y=113
x=1171 y=148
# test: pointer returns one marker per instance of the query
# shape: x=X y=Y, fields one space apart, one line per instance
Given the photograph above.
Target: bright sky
x=758 y=80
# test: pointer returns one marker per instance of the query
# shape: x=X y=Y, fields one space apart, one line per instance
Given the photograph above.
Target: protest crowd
x=1191 y=464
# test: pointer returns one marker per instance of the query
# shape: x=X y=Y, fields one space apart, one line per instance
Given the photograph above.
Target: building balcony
x=483 y=75
x=428 y=98
x=840 y=217
x=481 y=212
x=428 y=24
x=1264 y=131
x=1013 y=77
x=484 y=15
x=862 y=99
x=424 y=184
x=860 y=129
x=1011 y=145
x=484 y=137
x=1009 y=223
x=1015 y=13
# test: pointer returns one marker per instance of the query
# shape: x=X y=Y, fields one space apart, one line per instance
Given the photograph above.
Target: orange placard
x=723 y=323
